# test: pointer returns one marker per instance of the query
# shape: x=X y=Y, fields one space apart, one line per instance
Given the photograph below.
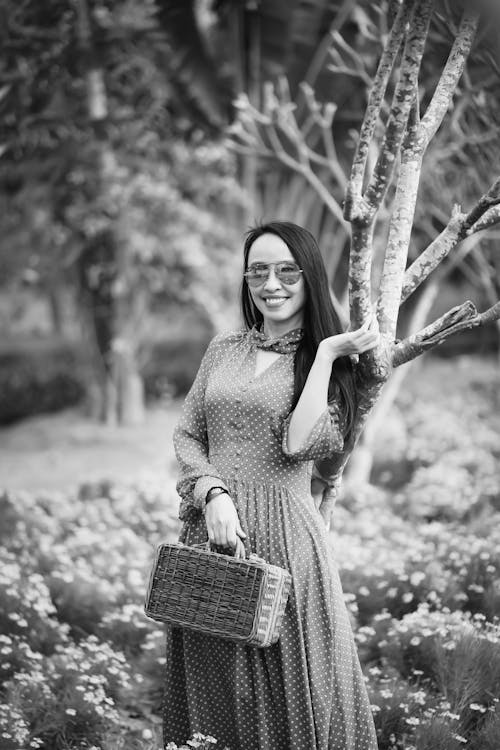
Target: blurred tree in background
x=107 y=186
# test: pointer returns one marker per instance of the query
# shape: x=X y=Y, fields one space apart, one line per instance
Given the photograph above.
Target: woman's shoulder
x=226 y=339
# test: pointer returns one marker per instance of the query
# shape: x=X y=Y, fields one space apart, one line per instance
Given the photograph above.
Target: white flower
x=477 y=707
x=70 y=712
x=417 y=577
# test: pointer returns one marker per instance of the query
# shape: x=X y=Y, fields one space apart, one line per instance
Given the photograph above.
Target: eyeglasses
x=286 y=272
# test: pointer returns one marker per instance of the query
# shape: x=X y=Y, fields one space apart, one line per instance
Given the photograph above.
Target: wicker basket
x=241 y=600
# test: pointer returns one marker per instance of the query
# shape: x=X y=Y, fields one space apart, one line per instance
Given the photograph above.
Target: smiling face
x=280 y=304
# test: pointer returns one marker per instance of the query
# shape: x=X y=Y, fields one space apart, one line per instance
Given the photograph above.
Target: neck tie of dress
x=285 y=344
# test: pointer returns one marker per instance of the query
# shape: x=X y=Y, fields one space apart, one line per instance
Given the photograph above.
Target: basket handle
x=213 y=548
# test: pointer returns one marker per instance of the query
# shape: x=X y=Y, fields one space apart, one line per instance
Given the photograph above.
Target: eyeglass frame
x=272 y=266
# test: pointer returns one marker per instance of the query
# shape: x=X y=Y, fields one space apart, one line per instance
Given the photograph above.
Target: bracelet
x=214 y=492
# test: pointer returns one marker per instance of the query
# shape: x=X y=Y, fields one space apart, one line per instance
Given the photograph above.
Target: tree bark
x=106 y=280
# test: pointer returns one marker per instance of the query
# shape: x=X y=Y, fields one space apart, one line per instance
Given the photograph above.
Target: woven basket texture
x=241 y=600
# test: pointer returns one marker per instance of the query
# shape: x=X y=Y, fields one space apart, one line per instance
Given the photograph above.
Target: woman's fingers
x=217 y=533
x=367 y=326
x=370 y=343
x=239 y=530
x=223 y=525
x=239 y=550
x=231 y=537
x=223 y=534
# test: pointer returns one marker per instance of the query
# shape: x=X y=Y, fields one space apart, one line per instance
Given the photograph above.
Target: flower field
x=419 y=557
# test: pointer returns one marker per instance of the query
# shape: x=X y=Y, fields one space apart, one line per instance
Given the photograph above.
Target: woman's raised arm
x=313 y=429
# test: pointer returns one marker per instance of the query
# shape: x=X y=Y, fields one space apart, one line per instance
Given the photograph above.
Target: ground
x=58 y=451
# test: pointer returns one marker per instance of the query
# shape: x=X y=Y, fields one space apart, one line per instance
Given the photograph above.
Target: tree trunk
x=360 y=465
x=56 y=306
x=106 y=279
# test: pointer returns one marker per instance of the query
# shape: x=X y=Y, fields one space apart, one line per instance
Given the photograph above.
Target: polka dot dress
x=307 y=691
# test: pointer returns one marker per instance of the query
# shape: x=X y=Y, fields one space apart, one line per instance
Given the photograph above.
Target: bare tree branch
x=483 y=215
x=360 y=269
x=400 y=227
x=457 y=319
x=488 y=200
x=375 y=102
x=489 y=219
x=353 y=66
x=432 y=256
x=451 y=74
x=316 y=65
x=402 y=102
x=277 y=124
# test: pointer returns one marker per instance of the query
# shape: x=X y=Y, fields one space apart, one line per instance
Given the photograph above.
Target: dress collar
x=286 y=344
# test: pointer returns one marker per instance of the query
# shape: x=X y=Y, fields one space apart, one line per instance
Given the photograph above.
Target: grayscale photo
x=250 y=375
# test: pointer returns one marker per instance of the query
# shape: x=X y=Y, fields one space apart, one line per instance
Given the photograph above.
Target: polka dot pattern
x=307 y=691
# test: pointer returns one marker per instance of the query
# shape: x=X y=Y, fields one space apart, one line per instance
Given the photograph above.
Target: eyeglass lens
x=287 y=273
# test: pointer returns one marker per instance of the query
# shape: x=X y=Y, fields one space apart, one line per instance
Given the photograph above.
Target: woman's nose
x=272 y=281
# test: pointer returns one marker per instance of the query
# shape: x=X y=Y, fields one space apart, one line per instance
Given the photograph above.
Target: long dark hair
x=320 y=318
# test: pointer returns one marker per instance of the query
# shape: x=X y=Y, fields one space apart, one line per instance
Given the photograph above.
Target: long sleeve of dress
x=325 y=438
x=197 y=474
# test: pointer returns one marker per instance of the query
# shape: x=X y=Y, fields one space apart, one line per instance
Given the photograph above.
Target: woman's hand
x=223 y=524
x=351 y=342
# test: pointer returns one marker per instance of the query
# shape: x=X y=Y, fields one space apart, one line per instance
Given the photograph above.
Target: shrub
x=47 y=377
x=41 y=379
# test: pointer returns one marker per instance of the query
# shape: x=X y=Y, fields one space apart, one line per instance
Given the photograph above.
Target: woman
x=266 y=403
